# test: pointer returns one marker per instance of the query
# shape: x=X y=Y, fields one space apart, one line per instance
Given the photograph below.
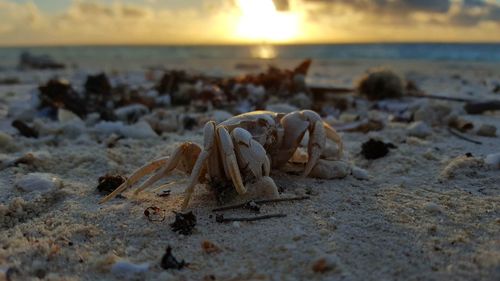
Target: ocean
x=141 y=56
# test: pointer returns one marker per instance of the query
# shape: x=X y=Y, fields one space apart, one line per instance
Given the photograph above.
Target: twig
x=220 y=218
x=265 y=201
x=460 y=136
x=436 y=97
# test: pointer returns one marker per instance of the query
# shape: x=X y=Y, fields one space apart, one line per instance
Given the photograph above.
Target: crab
x=241 y=151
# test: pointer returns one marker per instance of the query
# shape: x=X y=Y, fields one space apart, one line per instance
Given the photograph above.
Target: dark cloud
x=391 y=6
x=465 y=13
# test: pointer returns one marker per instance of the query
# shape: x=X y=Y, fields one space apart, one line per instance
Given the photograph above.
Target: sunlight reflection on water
x=264 y=52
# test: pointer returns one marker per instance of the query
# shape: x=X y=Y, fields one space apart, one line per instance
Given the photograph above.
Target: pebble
x=41 y=182
x=330 y=169
x=139 y=130
x=326 y=263
x=127 y=269
x=432 y=207
x=281 y=107
x=131 y=112
x=360 y=174
x=64 y=115
x=236 y=224
x=487 y=131
x=7 y=143
x=493 y=160
x=419 y=129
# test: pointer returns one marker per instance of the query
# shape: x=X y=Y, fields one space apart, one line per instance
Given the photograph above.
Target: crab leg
x=334 y=136
x=170 y=162
x=136 y=176
x=229 y=159
x=209 y=143
x=317 y=140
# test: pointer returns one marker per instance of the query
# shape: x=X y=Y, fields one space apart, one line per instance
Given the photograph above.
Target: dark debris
x=184 y=223
x=168 y=261
x=108 y=183
x=374 y=149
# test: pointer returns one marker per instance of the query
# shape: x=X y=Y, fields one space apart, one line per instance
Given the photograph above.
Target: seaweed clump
x=184 y=223
x=381 y=84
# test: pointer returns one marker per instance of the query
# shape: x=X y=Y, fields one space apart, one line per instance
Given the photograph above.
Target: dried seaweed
x=374 y=149
x=168 y=261
x=108 y=183
x=184 y=223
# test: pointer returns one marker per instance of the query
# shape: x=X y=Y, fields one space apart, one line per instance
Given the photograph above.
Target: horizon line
x=245 y=44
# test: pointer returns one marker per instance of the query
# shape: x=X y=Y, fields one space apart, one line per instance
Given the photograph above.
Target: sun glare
x=260 y=21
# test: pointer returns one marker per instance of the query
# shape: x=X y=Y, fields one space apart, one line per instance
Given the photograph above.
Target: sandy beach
x=428 y=210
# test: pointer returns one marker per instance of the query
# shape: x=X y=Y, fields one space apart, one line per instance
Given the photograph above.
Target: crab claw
x=317 y=140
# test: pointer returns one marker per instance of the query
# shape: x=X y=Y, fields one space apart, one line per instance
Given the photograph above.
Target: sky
x=77 y=22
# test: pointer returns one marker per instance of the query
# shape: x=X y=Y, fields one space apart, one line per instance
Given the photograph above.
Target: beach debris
x=359 y=173
x=380 y=84
x=374 y=149
x=154 y=214
x=58 y=93
x=326 y=264
x=486 y=130
x=481 y=106
x=433 y=114
x=328 y=169
x=9 y=81
x=139 y=130
x=131 y=113
x=240 y=134
x=164 y=193
x=221 y=219
x=39 y=182
x=109 y=182
x=27 y=159
x=30 y=61
x=493 y=160
x=419 y=129
x=7 y=143
x=126 y=269
x=168 y=261
x=98 y=85
x=184 y=223
x=462 y=166
x=9 y=273
x=24 y=129
x=209 y=247
x=366 y=125
x=253 y=204
x=496 y=89
x=460 y=136
x=460 y=124
x=432 y=207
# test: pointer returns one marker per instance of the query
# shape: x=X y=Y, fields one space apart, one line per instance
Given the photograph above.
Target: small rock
x=140 y=130
x=487 y=131
x=326 y=169
x=326 y=264
x=127 y=269
x=462 y=166
x=7 y=143
x=360 y=174
x=493 y=160
x=131 y=113
x=381 y=84
x=419 y=129
x=236 y=224
x=41 y=182
x=281 y=107
x=432 y=207
x=64 y=115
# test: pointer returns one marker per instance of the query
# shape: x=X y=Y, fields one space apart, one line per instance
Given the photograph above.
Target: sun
x=260 y=21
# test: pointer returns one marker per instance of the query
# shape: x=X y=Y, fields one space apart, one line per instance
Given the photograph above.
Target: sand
x=427 y=212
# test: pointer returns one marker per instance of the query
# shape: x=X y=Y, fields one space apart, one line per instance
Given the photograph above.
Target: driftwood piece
x=480 y=107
